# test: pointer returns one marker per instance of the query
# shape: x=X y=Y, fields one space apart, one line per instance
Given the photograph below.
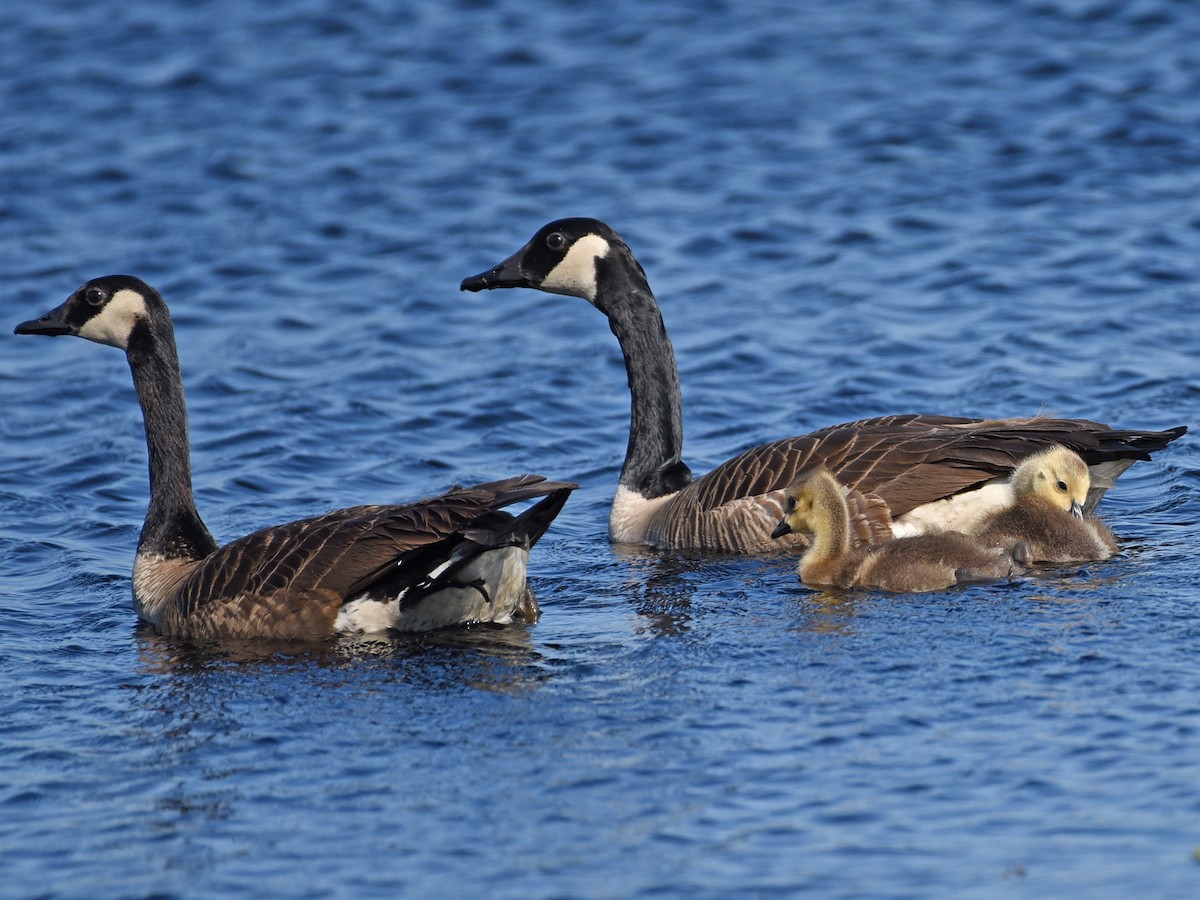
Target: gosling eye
x=556 y=240
x=95 y=296
x=1062 y=486
x=791 y=503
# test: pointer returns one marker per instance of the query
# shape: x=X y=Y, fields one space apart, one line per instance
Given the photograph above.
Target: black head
x=561 y=259
x=106 y=310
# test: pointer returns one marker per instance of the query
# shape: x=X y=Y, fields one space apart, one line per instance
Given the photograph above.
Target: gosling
x=1046 y=512
x=815 y=503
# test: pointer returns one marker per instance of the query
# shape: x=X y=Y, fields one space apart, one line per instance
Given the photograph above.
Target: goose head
x=566 y=256
x=808 y=503
x=113 y=310
x=1057 y=475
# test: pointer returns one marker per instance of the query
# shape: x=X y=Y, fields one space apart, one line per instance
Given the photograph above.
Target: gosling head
x=805 y=498
x=564 y=257
x=1057 y=475
x=108 y=310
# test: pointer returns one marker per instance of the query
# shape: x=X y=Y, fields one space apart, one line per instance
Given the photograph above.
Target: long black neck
x=173 y=527
x=653 y=466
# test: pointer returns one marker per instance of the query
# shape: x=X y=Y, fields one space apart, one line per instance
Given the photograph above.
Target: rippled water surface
x=845 y=209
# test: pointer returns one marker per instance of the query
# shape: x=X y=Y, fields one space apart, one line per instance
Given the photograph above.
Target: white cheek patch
x=113 y=324
x=576 y=274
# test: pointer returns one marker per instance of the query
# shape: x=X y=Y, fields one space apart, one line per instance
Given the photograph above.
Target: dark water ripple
x=975 y=208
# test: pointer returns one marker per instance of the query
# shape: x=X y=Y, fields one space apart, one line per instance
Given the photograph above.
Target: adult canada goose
x=1046 y=512
x=908 y=473
x=440 y=561
x=816 y=504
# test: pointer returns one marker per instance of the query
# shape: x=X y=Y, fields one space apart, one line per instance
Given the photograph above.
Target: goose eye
x=1062 y=486
x=95 y=296
x=556 y=240
x=791 y=502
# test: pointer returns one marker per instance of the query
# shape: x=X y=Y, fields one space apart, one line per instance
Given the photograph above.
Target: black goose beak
x=781 y=529
x=506 y=275
x=53 y=323
x=1076 y=509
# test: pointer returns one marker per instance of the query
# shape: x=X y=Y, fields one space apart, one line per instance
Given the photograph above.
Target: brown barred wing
x=908 y=461
x=343 y=552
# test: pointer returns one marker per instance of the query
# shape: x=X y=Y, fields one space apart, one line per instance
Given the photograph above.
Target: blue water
x=845 y=209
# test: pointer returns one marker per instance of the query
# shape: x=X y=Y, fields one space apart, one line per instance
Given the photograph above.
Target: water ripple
x=972 y=208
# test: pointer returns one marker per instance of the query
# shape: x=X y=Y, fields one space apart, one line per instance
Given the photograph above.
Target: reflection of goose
x=1046 y=512
x=908 y=473
x=816 y=504
x=440 y=561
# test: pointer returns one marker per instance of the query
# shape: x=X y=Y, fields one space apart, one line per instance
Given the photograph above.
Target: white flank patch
x=503 y=574
x=962 y=512
x=113 y=324
x=631 y=515
x=576 y=274
x=364 y=616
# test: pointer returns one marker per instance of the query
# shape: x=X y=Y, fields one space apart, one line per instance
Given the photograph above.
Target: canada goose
x=908 y=473
x=816 y=504
x=1046 y=512
x=440 y=561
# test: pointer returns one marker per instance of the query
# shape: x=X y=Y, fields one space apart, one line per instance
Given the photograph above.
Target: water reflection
x=829 y=612
x=1069 y=585
x=654 y=582
x=233 y=731
x=834 y=611
x=670 y=588
x=487 y=657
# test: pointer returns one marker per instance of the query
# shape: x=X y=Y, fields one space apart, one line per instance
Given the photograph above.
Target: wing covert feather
x=339 y=550
x=907 y=461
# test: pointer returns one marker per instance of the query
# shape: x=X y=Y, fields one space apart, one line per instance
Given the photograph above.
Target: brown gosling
x=1048 y=494
x=816 y=504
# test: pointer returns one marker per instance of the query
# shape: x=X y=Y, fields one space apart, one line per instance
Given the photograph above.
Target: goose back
x=904 y=475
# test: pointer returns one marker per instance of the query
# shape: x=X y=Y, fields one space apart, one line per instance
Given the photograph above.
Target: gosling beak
x=506 y=275
x=781 y=529
x=1076 y=509
x=53 y=323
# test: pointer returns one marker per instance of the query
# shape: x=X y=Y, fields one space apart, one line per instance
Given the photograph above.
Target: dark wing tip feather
x=524 y=530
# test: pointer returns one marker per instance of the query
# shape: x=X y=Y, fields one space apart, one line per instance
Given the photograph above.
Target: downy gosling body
x=1049 y=490
x=816 y=504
